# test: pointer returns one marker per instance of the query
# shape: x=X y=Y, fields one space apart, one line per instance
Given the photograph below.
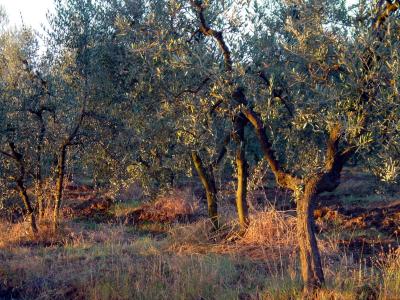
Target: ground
x=166 y=248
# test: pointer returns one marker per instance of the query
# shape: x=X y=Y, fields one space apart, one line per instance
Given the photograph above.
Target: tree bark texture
x=208 y=181
x=22 y=189
x=39 y=181
x=241 y=169
x=310 y=259
x=59 y=185
x=30 y=216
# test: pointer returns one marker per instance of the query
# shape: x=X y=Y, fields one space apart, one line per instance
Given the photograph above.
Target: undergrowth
x=115 y=261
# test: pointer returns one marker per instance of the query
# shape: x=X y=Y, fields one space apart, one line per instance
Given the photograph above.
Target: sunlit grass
x=90 y=260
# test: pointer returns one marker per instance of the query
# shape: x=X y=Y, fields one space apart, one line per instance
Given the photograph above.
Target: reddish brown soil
x=83 y=201
x=366 y=231
x=164 y=210
x=384 y=217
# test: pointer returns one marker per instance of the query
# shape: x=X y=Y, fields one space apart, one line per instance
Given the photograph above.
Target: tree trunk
x=310 y=260
x=59 y=185
x=29 y=211
x=241 y=192
x=241 y=166
x=40 y=200
x=39 y=181
x=21 y=187
x=208 y=181
x=39 y=186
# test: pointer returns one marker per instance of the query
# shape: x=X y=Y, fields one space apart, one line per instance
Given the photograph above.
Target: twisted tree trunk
x=337 y=156
x=241 y=192
x=310 y=260
x=39 y=180
x=21 y=187
x=59 y=185
x=208 y=181
x=30 y=216
x=61 y=162
x=241 y=169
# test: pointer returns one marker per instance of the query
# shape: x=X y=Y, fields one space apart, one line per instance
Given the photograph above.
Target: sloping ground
x=163 y=210
x=109 y=258
x=85 y=202
x=364 y=231
x=177 y=206
x=384 y=217
x=271 y=236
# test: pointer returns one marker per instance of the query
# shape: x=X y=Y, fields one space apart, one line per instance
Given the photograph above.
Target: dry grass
x=110 y=263
x=271 y=235
x=174 y=206
x=177 y=203
x=107 y=261
x=14 y=235
x=389 y=266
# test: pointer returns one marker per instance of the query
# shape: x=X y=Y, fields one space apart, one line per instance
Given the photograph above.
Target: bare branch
x=283 y=178
x=276 y=93
x=7 y=154
x=192 y=36
x=217 y=35
x=383 y=13
x=221 y=152
x=194 y=91
x=336 y=158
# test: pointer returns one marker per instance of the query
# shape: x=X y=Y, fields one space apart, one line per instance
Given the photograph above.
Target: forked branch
x=217 y=35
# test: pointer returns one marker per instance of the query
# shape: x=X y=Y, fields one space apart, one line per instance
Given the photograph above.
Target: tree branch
x=7 y=154
x=390 y=7
x=221 y=152
x=217 y=35
x=194 y=91
x=283 y=178
x=335 y=158
x=276 y=93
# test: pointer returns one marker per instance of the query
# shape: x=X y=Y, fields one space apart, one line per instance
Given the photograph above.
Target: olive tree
x=170 y=115
x=315 y=90
x=95 y=75
x=23 y=100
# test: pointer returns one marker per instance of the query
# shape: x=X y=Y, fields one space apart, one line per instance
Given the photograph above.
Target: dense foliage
x=134 y=90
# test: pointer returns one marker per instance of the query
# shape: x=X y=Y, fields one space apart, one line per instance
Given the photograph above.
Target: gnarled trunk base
x=241 y=169
x=207 y=179
x=29 y=211
x=310 y=259
x=59 y=185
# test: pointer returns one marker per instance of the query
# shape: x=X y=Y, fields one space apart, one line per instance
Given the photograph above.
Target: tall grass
x=109 y=261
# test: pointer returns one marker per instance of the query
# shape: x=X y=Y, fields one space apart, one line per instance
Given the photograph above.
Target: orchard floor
x=166 y=249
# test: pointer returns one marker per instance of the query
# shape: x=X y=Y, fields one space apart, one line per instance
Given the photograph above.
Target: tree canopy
x=158 y=92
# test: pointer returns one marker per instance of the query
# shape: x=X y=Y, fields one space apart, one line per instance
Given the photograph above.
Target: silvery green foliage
x=313 y=54
x=148 y=81
x=20 y=93
x=114 y=50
